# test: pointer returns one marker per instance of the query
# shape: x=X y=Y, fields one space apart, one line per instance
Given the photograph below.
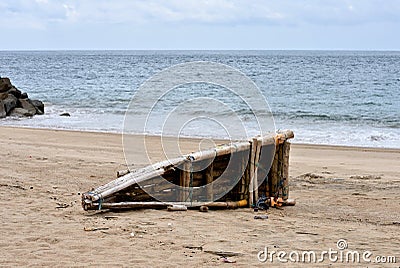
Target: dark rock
x=2 y=110
x=20 y=112
x=24 y=96
x=10 y=103
x=3 y=95
x=38 y=105
x=14 y=102
x=5 y=84
x=25 y=103
x=15 y=91
x=65 y=114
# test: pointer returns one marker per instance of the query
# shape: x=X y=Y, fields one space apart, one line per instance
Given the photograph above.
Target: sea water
x=325 y=97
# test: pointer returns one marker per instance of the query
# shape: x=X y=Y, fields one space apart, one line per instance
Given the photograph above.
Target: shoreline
x=327 y=146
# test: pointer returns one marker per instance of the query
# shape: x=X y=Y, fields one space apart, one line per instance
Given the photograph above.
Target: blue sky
x=197 y=24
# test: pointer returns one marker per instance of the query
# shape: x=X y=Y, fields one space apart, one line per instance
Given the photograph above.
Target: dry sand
x=341 y=192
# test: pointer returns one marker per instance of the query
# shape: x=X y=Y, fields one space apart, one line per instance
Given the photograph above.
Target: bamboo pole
x=243 y=178
x=274 y=174
x=282 y=136
x=182 y=184
x=251 y=186
x=286 y=151
x=128 y=180
x=219 y=151
x=135 y=175
x=185 y=180
x=266 y=140
x=257 y=145
x=246 y=180
x=137 y=205
x=157 y=204
x=281 y=170
x=121 y=173
x=209 y=179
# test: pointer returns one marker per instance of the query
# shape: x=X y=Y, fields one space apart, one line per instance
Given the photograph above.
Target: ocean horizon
x=346 y=98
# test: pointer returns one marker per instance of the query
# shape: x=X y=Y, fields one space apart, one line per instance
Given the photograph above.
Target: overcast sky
x=197 y=24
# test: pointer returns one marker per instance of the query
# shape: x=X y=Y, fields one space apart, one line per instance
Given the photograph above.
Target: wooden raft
x=262 y=162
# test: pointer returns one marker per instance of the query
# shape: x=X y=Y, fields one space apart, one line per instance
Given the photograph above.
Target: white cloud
x=70 y=12
x=233 y=12
x=200 y=24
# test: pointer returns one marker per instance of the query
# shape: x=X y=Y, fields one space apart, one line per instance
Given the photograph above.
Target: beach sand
x=341 y=193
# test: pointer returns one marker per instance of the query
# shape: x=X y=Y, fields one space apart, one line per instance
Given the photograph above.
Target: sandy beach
x=341 y=192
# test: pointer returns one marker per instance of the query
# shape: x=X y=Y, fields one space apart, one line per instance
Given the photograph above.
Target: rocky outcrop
x=2 y=110
x=10 y=102
x=13 y=102
x=5 y=84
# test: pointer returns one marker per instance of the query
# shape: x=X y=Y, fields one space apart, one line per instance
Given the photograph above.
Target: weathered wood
x=182 y=179
x=266 y=140
x=177 y=208
x=121 y=173
x=289 y=202
x=217 y=172
x=156 y=204
x=247 y=188
x=209 y=179
x=281 y=137
x=274 y=174
x=251 y=185
x=135 y=205
x=198 y=178
x=280 y=171
x=243 y=178
x=285 y=172
x=257 y=143
x=224 y=149
x=127 y=180
x=185 y=175
x=220 y=164
x=227 y=205
x=131 y=177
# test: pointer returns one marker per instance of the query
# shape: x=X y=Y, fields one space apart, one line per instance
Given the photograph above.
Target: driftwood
x=177 y=179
